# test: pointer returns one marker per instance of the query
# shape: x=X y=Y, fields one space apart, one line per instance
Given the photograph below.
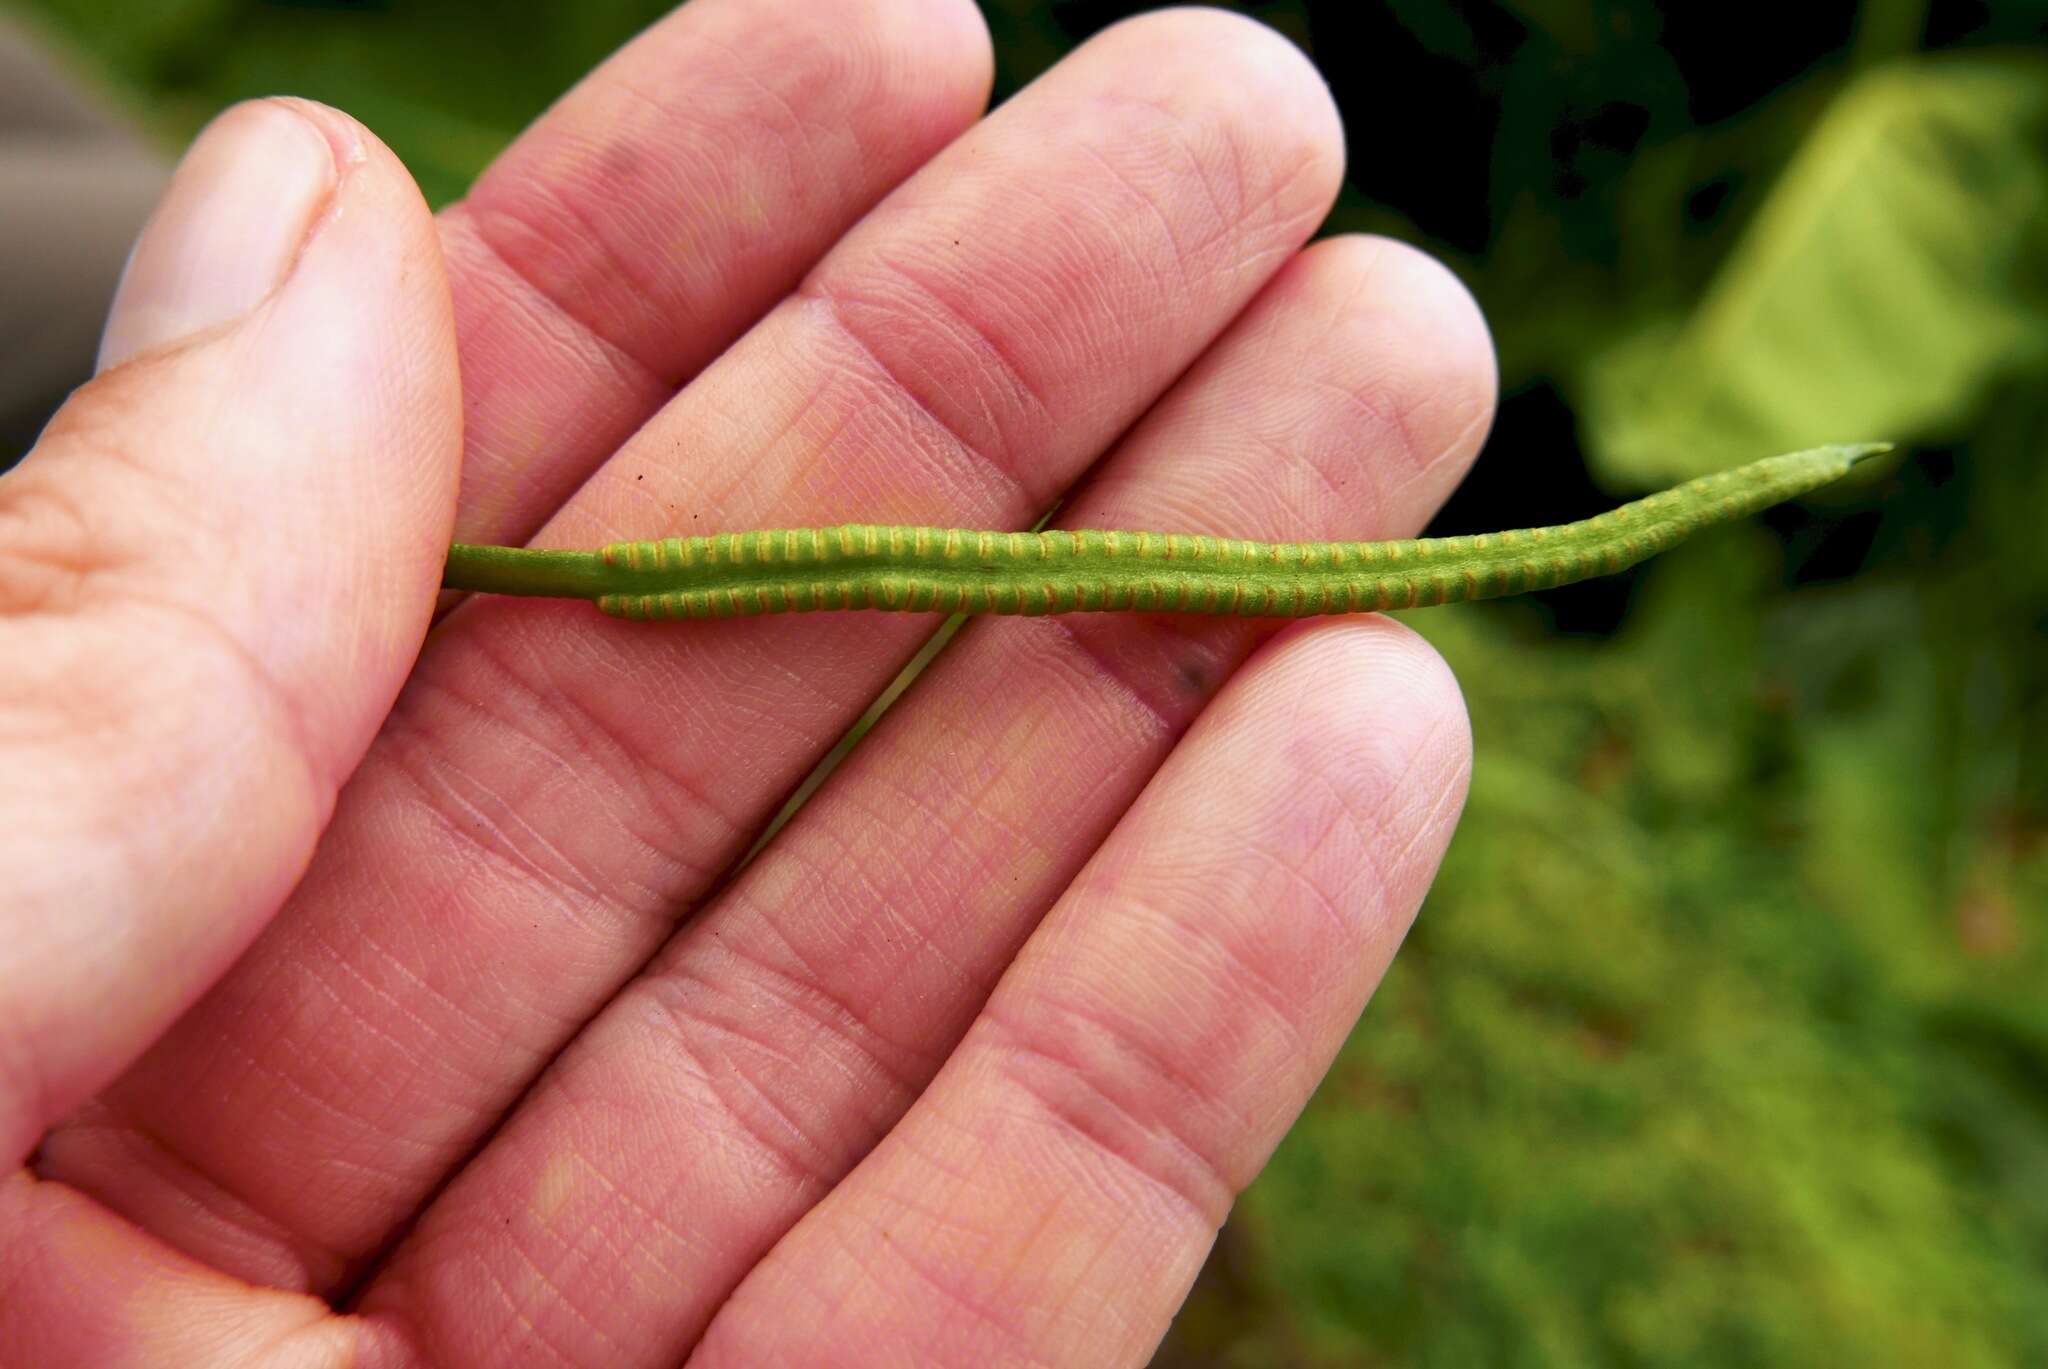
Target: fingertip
x=1368 y=667
x=348 y=141
x=225 y=234
x=1367 y=702
x=1249 y=79
x=1450 y=338
x=1415 y=347
x=1391 y=268
x=939 y=52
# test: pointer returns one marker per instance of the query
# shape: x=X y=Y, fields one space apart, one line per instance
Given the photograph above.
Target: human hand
x=422 y=989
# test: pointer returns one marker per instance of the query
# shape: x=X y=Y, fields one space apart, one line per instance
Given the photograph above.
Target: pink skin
x=1176 y=930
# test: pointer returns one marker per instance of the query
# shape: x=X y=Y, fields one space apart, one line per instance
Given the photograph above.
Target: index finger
x=665 y=204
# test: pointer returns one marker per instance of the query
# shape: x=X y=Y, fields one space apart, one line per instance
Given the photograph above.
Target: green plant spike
x=954 y=570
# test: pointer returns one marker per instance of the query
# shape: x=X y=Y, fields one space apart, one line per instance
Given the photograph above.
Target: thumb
x=215 y=569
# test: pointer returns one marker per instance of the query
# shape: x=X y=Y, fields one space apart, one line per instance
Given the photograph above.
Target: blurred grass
x=1721 y=1040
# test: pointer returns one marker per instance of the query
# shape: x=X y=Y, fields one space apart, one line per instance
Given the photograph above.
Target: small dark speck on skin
x=641 y=476
x=621 y=162
x=1195 y=676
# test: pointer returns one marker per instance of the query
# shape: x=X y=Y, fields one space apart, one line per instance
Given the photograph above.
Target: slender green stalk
x=954 y=570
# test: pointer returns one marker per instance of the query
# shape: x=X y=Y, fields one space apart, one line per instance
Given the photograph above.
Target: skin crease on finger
x=1138 y=673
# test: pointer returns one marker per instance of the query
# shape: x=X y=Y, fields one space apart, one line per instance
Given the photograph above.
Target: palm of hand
x=968 y=1064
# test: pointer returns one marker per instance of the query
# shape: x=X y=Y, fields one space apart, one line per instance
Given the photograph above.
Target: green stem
x=519 y=570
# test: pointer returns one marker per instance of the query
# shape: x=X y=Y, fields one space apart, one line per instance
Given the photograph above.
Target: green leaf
x=1896 y=272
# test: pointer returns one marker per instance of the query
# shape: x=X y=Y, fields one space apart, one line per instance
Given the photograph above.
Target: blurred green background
x=1722 y=1039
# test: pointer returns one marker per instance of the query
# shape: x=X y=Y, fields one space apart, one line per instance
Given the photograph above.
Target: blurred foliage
x=1898 y=270
x=1721 y=1040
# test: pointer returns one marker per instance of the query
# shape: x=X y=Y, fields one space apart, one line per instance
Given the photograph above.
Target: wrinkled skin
x=371 y=1003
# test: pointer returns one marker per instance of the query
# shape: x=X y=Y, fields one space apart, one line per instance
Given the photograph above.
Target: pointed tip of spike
x=1792 y=474
x=1837 y=459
